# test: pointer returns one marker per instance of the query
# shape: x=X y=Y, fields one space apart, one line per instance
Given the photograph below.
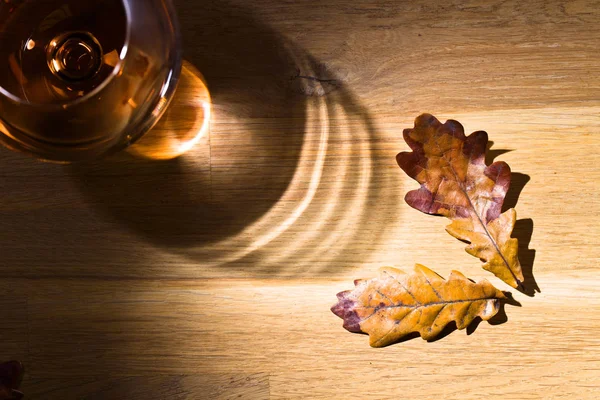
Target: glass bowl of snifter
x=83 y=79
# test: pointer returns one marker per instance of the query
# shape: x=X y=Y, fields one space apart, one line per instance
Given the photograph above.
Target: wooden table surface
x=211 y=275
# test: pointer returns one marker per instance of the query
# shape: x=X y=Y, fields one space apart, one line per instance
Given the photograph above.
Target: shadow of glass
x=284 y=180
x=341 y=217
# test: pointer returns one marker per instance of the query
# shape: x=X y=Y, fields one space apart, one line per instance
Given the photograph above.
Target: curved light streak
x=324 y=216
x=312 y=188
x=351 y=211
x=184 y=147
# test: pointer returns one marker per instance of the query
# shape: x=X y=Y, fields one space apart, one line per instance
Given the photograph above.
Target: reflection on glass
x=183 y=124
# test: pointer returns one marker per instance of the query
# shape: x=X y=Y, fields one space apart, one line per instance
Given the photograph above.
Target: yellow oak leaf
x=396 y=304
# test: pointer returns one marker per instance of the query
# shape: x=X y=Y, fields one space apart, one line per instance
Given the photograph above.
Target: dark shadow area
x=501 y=317
x=517 y=180
x=510 y=300
x=474 y=325
x=523 y=231
x=517 y=183
x=498 y=319
x=11 y=376
x=448 y=329
x=410 y=336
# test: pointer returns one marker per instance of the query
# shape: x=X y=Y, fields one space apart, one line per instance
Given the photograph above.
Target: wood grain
x=211 y=276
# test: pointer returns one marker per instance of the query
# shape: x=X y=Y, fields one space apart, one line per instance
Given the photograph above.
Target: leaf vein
x=403 y=287
x=462 y=188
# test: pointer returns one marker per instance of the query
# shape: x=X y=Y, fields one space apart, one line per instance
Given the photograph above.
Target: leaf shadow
x=492 y=154
x=517 y=184
x=500 y=318
x=523 y=231
x=410 y=336
x=448 y=329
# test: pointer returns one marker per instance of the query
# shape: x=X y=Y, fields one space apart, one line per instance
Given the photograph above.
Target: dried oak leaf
x=456 y=183
x=396 y=304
